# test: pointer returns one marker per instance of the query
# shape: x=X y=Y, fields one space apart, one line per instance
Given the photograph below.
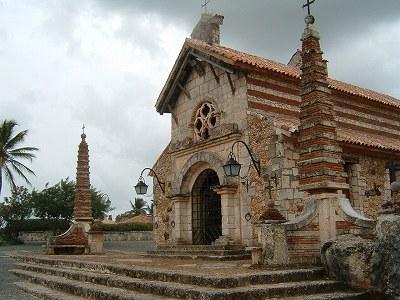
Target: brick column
x=181 y=232
x=230 y=211
x=83 y=200
x=321 y=165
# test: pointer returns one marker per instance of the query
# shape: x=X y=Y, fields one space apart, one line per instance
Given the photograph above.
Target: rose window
x=205 y=119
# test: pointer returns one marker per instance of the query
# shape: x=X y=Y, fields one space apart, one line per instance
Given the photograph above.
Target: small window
x=205 y=119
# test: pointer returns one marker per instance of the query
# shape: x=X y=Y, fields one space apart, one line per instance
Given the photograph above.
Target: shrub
x=55 y=225
x=127 y=227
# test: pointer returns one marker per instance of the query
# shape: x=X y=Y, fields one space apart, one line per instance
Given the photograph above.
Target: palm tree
x=139 y=207
x=150 y=208
x=10 y=154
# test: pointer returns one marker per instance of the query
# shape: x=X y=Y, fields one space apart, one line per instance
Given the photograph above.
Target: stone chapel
x=325 y=151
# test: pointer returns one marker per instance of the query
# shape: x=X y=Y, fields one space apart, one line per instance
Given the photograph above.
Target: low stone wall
x=34 y=236
x=39 y=236
x=129 y=236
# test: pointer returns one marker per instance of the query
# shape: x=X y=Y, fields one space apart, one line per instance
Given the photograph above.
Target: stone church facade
x=327 y=164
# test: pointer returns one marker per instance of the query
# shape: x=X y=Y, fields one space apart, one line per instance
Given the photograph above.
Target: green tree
x=138 y=207
x=14 y=211
x=57 y=201
x=11 y=153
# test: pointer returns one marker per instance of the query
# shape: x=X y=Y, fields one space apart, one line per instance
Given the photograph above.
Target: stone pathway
x=8 y=291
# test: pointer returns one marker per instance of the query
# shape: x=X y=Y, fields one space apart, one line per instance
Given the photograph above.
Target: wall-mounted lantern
x=232 y=166
x=141 y=186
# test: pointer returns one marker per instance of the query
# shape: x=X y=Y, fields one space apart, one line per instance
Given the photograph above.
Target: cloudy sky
x=104 y=62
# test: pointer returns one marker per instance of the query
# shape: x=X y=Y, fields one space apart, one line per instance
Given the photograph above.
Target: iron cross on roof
x=206 y=2
x=308 y=5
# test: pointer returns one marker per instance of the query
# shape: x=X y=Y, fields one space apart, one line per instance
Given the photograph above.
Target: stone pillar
x=96 y=241
x=274 y=244
x=181 y=219
x=230 y=211
x=321 y=167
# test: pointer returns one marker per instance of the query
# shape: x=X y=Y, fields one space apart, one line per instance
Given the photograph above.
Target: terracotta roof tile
x=266 y=64
x=370 y=140
x=147 y=219
x=347 y=136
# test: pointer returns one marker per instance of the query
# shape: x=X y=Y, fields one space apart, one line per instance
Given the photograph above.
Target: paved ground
x=9 y=292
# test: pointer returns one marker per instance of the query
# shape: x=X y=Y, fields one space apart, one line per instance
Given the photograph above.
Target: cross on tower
x=83 y=128
x=206 y=2
x=308 y=5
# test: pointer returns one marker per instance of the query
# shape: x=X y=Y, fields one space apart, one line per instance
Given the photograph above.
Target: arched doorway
x=206 y=209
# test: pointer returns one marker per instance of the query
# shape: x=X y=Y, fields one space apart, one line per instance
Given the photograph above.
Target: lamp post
x=232 y=166
x=141 y=186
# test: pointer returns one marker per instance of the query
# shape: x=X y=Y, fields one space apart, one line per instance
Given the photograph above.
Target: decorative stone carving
x=206 y=118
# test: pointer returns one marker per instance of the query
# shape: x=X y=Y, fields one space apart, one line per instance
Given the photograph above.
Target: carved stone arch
x=194 y=166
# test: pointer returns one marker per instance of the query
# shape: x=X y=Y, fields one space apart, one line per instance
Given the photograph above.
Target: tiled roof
x=238 y=57
x=370 y=140
x=347 y=135
x=147 y=219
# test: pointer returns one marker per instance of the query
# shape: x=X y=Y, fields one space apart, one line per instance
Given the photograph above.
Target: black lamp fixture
x=141 y=186
x=232 y=166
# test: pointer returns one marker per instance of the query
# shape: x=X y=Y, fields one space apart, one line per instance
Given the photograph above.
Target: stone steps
x=202 y=247
x=99 y=284
x=44 y=293
x=273 y=276
x=214 y=252
x=204 y=256
x=211 y=252
x=65 y=279
x=53 y=287
x=328 y=296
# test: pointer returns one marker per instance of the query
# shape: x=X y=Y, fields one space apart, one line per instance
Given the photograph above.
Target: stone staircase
x=52 y=278
x=210 y=252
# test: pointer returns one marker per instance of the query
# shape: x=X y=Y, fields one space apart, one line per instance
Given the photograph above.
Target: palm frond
x=24 y=149
x=10 y=177
x=22 y=166
x=18 y=138
x=6 y=130
x=24 y=155
x=20 y=173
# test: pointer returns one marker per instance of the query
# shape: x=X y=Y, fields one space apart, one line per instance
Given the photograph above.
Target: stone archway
x=194 y=166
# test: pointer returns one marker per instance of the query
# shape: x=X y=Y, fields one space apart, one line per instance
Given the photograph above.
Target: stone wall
x=372 y=175
x=369 y=184
x=129 y=236
x=34 y=236
x=41 y=236
x=162 y=204
x=231 y=107
x=260 y=132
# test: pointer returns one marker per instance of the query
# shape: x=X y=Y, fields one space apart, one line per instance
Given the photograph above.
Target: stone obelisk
x=83 y=201
x=77 y=239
